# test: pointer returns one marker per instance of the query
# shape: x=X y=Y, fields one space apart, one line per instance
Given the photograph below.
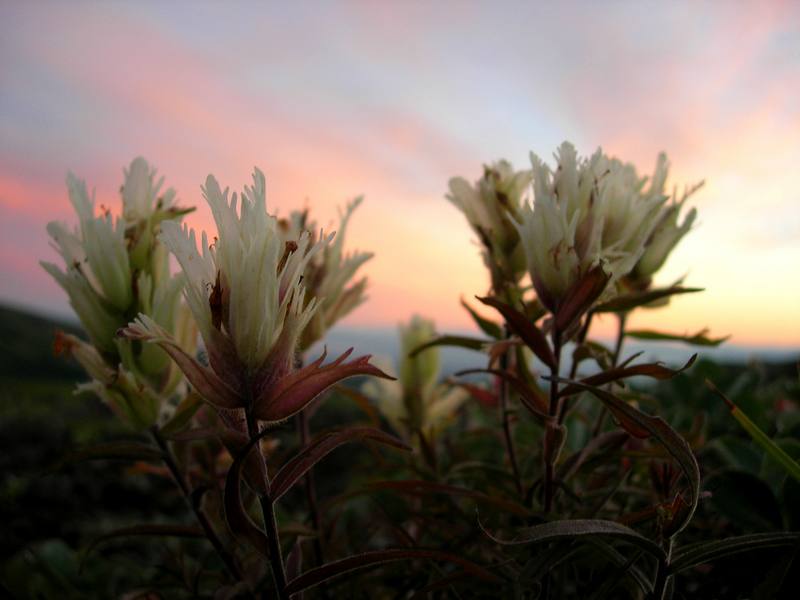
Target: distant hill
x=26 y=346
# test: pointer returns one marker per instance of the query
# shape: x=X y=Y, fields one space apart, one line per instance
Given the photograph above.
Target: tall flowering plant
x=593 y=232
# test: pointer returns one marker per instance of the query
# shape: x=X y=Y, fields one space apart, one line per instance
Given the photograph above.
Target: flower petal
x=204 y=380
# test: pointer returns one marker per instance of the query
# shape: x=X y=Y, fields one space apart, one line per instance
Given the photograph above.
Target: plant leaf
x=654 y=370
x=112 y=451
x=533 y=400
x=698 y=339
x=704 y=552
x=572 y=529
x=319 y=448
x=375 y=558
x=633 y=300
x=791 y=466
x=642 y=425
x=422 y=488
x=460 y=341
x=525 y=329
x=151 y=529
x=235 y=515
x=487 y=398
x=183 y=414
x=580 y=297
x=295 y=391
x=487 y=326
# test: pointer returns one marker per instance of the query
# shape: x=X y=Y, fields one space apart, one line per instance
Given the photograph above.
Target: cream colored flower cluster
x=583 y=212
x=114 y=269
x=329 y=274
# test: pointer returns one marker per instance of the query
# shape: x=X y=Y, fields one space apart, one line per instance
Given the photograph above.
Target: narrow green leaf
x=183 y=415
x=460 y=341
x=487 y=326
x=791 y=466
x=704 y=552
x=633 y=300
x=698 y=339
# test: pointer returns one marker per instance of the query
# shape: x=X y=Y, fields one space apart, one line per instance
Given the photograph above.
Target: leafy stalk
x=270 y=522
x=172 y=465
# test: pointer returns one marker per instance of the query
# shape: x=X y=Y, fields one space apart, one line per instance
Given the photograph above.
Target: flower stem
x=662 y=576
x=311 y=490
x=172 y=465
x=549 y=469
x=621 y=321
x=505 y=415
x=270 y=522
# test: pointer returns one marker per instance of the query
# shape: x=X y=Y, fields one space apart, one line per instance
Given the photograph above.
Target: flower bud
x=491 y=206
x=416 y=402
x=665 y=236
x=329 y=275
x=586 y=213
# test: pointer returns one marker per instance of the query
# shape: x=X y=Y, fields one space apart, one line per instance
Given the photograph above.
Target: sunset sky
x=333 y=100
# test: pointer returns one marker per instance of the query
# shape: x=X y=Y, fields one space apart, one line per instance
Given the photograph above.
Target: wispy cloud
x=390 y=101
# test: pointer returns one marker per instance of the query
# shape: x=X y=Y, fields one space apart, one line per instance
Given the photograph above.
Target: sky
x=335 y=100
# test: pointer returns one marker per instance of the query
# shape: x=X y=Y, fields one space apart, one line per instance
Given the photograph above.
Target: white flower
x=585 y=213
x=140 y=192
x=491 y=206
x=247 y=298
x=113 y=268
x=665 y=236
x=328 y=275
x=96 y=275
x=247 y=286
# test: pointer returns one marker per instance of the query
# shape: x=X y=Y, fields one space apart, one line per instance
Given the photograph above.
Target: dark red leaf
x=580 y=297
x=422 y=488
x=642 y=425
x=319 y=448
x=654 y=370
x=633 y=300
x=239 y=522
x=375 y=558
x=532 y=398
x=294 y=391
x=486 y=397
x=525 y=329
